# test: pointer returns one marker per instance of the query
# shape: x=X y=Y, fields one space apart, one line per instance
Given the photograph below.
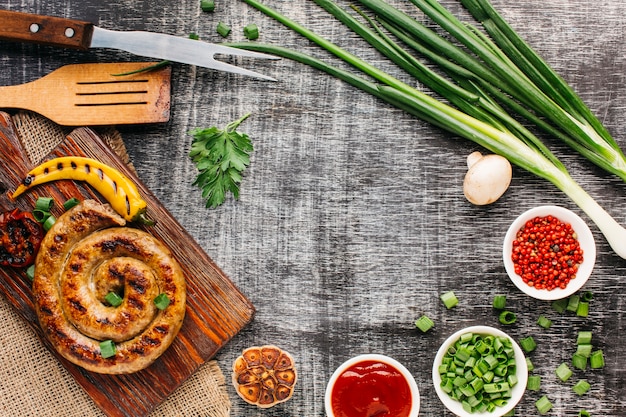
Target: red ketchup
x=371 y=389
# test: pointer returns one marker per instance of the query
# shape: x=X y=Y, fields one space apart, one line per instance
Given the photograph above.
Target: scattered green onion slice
x=579 y=361
x=449 y=299
x=113 y=299
x=30 y=272
x=530 y=365
x=564 y=372
x=559 y=305
x=71 y=203
x=583 y=350
x=107 y=349
x=584 y=338
x=251 y=31
x=41 y=215
x=44 y=203
x=499 y=302
x=207 y=5
x=534 y=383
x=150 y=67
x=544 y=322
x=223 y=29
x=581 y=387
x=49 y=222
x=583 y=309
x=587 y=296
x=161 y=301
x=572 y=303
x=507 y=317
x=194 y=36
x=596 y=360
x=528 y=344
x=543 y=405
x=584 y=413
x=424 y=323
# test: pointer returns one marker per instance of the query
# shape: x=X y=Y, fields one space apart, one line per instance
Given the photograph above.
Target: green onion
x=530 y=365
x=499 y=302
x=479 y=91
x=449 y=299
x=581 y=387
x=544 y=322
x=587 y=296
x=584 y=350
x=44 y=203
x=596 y=360
x=424 y=323
x=579 y=361
x=207 y=5
x=584 y=338
x=68 y=204
x=161 y=301
x=507 y=317
x=113 y=299
x=41 y=215
x=583 y=309
x=533 y=383
x=528 y=344
x=572 y=303
x=49 y=222
x=584 y=413
x=150 y=67
x=223 y=29
x=559 y=305
x=251 y=31
x=30 y=272
x=107 y=349
x=564 y=372
x=543 y=405
x=194 y=36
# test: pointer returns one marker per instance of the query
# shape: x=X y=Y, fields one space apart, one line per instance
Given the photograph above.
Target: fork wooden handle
x=46 y=30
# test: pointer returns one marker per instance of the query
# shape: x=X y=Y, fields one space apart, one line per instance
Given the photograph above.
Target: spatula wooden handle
x=46 y=30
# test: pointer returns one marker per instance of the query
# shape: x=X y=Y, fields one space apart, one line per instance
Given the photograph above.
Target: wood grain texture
x=216 y=309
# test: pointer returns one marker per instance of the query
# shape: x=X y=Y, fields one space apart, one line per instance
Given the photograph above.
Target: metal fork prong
x=222 y=66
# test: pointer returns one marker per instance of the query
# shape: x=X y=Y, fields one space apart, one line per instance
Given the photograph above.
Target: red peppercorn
x=546 y=253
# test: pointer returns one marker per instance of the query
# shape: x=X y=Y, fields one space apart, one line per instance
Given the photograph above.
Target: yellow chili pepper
x=114 y=186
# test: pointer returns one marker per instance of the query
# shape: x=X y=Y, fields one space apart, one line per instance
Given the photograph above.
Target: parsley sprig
x=221 y=156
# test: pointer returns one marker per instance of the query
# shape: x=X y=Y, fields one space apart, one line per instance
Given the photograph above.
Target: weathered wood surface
x=216 y=309
x=351 y=219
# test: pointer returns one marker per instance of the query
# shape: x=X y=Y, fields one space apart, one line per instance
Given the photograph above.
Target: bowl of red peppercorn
x=549 y=252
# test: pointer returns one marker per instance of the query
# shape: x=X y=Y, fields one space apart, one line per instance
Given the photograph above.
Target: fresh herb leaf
x=221 y=156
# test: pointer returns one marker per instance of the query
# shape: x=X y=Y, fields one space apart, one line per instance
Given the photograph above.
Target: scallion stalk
x=424 y=323
x=581 y=387
x=543 y=405
x=449 y=299
x=493 y=137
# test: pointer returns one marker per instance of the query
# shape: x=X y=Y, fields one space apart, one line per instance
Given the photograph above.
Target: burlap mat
x=33 y=382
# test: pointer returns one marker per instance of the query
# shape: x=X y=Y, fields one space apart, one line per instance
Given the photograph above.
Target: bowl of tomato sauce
x=372 y=385
x=549 y=252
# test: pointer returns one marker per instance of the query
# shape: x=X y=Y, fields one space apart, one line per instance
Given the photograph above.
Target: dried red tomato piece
x=20 y=237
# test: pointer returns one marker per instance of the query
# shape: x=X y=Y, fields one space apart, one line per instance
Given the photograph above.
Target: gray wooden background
x=351 y=220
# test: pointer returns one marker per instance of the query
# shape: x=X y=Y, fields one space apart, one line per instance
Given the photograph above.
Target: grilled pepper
x=20 y=238
x=114 y=186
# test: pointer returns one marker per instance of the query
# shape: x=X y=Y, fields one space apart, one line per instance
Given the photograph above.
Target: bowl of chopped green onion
x=549 y=252
x=480 y=371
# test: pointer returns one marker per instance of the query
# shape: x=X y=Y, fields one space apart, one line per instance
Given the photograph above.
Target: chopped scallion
x=49 y=222
x=572 y=303
x=251 y=31
x=68 y=204
x=579 y=361
x=584 y=350
x=207 y=5
x=528 y=344
x=30 y=272
x=584 y=338
x=543 y=405
x=499 y=302
x=583 y=309
x=507 y=317
x=533 y=383
x=581 y=387
x=587 y=296
x=113 y=299
x=44 y=203
x=223 y=29
x=41 y=215
x=584 y=413
x=559 y=305
x=424 y=323
x=161 y=301
x=530 y=365
x=544 y=322
x=596 y=360
x=564 y=372
x=449 y=299
x=107 y=349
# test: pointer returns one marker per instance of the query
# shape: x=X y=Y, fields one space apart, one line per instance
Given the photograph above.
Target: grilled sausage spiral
x=87 y=254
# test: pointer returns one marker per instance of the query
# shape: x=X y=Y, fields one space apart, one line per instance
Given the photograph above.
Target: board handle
x=45 y=30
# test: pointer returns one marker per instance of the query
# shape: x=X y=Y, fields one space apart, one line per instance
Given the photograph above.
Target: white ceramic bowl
x=585 y=238
x=415 y=404
x=521 y=372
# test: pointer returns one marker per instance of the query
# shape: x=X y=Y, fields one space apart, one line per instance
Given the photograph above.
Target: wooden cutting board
x=216 y=309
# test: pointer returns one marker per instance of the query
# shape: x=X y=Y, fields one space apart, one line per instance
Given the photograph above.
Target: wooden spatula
x=93 y=94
